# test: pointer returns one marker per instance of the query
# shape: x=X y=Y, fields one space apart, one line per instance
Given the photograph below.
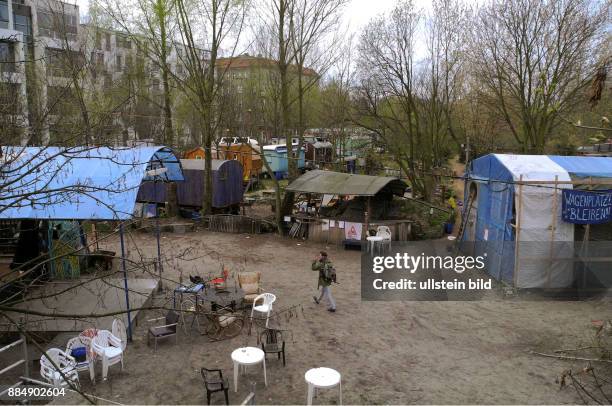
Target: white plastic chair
x=64 y=362
x=87 y=365
x=118 y=329
x=266 y=307
x=108 y=349
x=385 y=233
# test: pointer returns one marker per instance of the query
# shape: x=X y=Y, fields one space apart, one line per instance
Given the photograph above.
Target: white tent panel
x=537 y=203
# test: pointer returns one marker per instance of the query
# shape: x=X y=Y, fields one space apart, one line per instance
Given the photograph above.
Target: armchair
x=85 y=363
x=250 y=283
x=166 y=330
x=64 y=363
x=108 y=349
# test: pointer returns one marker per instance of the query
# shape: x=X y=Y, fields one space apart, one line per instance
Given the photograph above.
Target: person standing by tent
x=327 y=275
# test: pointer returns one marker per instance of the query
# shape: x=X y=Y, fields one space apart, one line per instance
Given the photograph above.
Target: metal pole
x=467 y=150
x=25 y=355
x=159 y=264
x=125 y=283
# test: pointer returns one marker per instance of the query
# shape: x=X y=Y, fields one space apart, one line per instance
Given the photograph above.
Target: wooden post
x=367 y=216
x=585 y=241
x=519 y=214
x=552 y=231
x=95 y=235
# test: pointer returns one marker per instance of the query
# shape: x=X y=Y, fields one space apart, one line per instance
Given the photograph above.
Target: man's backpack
x=329 y=273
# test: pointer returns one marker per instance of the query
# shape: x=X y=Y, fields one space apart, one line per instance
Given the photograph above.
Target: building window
x=107 y=40
x=123 y=42
x=54 y=24
x=4 y=14
x=23 y=24
x=10 y=100
x=98 y=40
x=60 y=62
x=7 y=57
x=108 y=81
x=118 y=63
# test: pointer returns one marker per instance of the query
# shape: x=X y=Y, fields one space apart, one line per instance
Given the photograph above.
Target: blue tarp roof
x=585 y=166
x=82 y=183
x=575 y=166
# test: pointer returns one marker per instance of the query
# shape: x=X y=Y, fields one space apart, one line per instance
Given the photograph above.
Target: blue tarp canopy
x=499 y=211
x=79 y=183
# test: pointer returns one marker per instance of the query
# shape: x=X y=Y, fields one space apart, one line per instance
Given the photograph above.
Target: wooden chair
x=214 y=382
x=166 y=330
x=250 y=283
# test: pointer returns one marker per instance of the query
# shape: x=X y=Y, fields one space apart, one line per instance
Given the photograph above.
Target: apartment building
x=250 y=85
x=49 y=63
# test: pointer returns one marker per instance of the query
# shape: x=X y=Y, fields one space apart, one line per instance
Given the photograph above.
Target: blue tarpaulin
x=79 y=183
x=494 y=217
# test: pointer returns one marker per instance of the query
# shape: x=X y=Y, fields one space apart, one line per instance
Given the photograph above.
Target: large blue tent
x=79 y=183
x=491 y=222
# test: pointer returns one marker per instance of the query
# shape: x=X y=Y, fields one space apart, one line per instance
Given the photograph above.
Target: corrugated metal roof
x=80 y=183
x=337 y=183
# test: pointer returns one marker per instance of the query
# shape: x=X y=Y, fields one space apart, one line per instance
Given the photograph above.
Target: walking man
x=327 y=275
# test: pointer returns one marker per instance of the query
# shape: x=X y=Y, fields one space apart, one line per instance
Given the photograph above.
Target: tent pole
x=159 y=264
x=552 y=231
x=367 y=216
x=125 y=283
x=519 y=215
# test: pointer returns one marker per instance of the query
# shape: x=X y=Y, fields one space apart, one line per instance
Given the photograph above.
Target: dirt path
x=387 y=352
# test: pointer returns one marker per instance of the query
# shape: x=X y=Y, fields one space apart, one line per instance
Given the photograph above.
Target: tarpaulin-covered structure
x=513 y=211
x=78 y=183
x=227 y=185
x=364 y=202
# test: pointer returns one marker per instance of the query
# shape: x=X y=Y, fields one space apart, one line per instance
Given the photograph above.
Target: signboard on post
x=587 y=207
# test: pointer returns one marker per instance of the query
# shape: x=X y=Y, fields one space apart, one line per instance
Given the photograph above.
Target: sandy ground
x=387 y=353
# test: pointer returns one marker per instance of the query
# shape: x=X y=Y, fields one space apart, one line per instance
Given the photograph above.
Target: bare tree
x=220 y=22
x=389 y=102
x=534 y=57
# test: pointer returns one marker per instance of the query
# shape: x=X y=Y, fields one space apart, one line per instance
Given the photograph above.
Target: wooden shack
x=248 y=155
x=361 y=204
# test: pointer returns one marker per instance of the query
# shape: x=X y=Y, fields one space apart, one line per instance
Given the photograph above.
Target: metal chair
x=265 y=307
x=224 y=323
x=164 y=331
x=214 y=382
x=272 y=342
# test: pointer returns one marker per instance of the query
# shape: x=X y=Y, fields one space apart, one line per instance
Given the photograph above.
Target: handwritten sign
x=587 y=207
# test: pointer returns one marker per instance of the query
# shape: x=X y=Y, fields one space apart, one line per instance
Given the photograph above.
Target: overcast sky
x=357 y=12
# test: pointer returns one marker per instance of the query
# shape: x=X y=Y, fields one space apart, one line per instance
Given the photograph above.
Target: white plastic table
x=246 y=356
x=322 y=378
x=373 y=241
